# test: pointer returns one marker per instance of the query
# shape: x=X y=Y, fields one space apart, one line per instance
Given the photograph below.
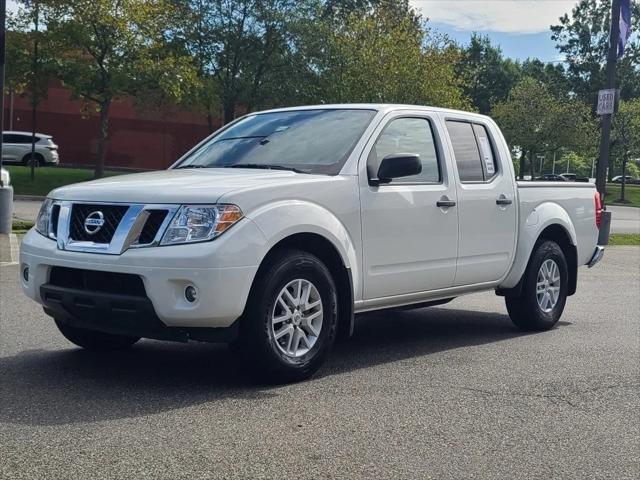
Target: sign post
x=607 y=97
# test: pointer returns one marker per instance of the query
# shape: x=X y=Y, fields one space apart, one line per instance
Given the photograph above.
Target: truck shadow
x=56 y=387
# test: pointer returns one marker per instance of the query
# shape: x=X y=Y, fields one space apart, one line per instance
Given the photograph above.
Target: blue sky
x=520 y=27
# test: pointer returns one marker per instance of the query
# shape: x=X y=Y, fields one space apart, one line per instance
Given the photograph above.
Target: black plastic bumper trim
x=122 y=314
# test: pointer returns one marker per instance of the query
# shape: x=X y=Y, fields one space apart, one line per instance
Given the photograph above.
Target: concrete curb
x=29 y=198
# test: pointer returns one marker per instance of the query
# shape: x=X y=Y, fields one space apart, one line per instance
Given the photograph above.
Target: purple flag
x=625 y=25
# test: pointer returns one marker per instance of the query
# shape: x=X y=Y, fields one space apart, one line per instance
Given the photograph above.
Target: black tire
x=524 y=310
x=39 y=160
x=257 y=344
x=93 y=340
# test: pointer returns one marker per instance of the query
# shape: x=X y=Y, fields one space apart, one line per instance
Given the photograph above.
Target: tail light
x=596 y=197
x=52 y=148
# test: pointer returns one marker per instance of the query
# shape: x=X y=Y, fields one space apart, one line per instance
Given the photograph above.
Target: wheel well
x=558 y=234
x=327 y=252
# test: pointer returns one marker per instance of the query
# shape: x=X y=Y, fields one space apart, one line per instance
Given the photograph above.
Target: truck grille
x=112 y=217
x=96 y=281
x=151 y=226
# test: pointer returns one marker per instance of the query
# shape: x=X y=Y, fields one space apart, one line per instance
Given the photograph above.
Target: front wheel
x=290 y=323
x=544 y=289
x=93 y=340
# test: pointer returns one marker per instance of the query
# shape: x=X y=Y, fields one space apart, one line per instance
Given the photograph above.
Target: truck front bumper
x=222 y=289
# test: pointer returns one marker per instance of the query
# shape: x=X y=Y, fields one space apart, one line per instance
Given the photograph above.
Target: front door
x=409 y=226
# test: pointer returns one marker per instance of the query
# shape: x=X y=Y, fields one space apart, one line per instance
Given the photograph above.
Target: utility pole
x=34 y=89
x=6 y=192
x=607 y=119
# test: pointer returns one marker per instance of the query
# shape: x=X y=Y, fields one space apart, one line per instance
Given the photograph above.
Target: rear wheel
x=544 y=289
x=290 y=323
x=92 y=340
x=39 y=160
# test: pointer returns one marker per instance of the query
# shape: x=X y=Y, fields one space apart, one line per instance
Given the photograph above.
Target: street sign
x=606 y=101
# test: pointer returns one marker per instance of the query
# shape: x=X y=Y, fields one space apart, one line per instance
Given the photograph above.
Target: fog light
x=191 y=294
x=25 y=274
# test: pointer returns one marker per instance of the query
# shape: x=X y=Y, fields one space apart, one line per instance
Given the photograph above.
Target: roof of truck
x=373 y=106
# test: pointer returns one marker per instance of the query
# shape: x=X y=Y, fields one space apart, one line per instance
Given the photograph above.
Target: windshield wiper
x=263 y=166
x=191 y=166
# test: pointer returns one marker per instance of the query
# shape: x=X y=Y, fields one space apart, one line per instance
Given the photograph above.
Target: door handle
x=445 y=203
x=502 y=200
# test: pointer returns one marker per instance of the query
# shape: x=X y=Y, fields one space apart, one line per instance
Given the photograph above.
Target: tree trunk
x=229 y=111
x=624 y=180
x=531 y=164
x=102 y=138
x=522 y=164
x=210 y=121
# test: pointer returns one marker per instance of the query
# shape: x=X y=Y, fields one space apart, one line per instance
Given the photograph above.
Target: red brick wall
x=137 y=140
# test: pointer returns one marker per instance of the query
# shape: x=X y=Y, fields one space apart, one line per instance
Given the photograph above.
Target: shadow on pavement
x=54 y=387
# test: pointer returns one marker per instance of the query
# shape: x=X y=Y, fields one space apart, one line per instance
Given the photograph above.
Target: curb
x=29 y=198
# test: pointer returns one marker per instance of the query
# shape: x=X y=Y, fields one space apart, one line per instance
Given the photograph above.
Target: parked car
x=16 y=148
x=569 y=177
x=552 y=177
x=273 y=232
x=618 y=179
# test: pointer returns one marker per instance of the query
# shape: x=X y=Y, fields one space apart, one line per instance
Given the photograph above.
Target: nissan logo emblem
x=94 y=222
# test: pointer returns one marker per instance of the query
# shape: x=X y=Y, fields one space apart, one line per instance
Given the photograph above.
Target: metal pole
x=553 y=170
x=603 y=160
x=34 y=93
x=3 y=38
x=11 y=109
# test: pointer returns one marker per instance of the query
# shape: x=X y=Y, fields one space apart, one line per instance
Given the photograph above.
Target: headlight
x=42 y=223
x=197 y=223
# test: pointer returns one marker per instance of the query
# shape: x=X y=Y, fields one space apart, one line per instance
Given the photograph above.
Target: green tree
x=486 y=75
x=109 y=49
x=554 y=75
x=583 y=37
x=535 y=122
x=383 y=57
x=626 y=137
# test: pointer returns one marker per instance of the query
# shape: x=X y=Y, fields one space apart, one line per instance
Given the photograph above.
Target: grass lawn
x=631 y=193
x=48 y=178
x=624 y=239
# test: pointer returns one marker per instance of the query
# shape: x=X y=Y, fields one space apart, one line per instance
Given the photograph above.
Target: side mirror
x=398 y=165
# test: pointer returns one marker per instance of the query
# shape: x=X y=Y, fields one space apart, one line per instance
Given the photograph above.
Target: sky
x=520 y=27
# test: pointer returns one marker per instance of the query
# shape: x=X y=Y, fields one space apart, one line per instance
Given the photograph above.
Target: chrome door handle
x=502 y=200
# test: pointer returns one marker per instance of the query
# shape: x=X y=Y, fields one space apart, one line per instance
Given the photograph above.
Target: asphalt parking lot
x=448 y=392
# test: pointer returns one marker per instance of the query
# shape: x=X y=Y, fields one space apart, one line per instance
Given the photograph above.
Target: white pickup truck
x=275 y=231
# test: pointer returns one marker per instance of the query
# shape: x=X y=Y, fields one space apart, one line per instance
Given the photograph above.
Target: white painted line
x=13 y=246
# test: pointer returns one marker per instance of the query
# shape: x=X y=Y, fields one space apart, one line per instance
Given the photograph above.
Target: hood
x=204 y=185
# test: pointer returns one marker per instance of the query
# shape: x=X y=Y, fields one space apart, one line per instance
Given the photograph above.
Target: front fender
x=283 y=219
x=541 y=217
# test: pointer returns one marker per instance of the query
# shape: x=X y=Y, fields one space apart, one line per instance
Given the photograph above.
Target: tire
x=526 y=311
x=93 y=340
x=39 y=158
x=276 y=360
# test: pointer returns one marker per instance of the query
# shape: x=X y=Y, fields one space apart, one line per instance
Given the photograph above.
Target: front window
x=307 y=141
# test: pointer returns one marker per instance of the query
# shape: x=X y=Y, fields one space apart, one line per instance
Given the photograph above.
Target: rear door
x=11 y=149
x=409 y=242
x=486 y=202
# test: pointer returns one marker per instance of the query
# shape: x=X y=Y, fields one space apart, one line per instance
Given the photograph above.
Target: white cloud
x=509 y=16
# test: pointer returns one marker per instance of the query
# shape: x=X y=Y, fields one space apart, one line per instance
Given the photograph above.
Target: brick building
x=137 y=140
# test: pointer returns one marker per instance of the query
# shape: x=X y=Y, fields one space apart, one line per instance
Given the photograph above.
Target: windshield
x=307 y=141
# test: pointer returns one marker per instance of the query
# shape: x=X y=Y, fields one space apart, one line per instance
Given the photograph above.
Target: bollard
x=6 y=209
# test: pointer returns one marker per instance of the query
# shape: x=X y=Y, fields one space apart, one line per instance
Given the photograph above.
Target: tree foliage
x=384 y=57
x=583 y=37
x=108 y=49
x=487 y=77
x=535 y=122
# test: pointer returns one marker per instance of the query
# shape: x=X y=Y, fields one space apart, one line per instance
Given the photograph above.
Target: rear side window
x=17 y=138
x=473 y=151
